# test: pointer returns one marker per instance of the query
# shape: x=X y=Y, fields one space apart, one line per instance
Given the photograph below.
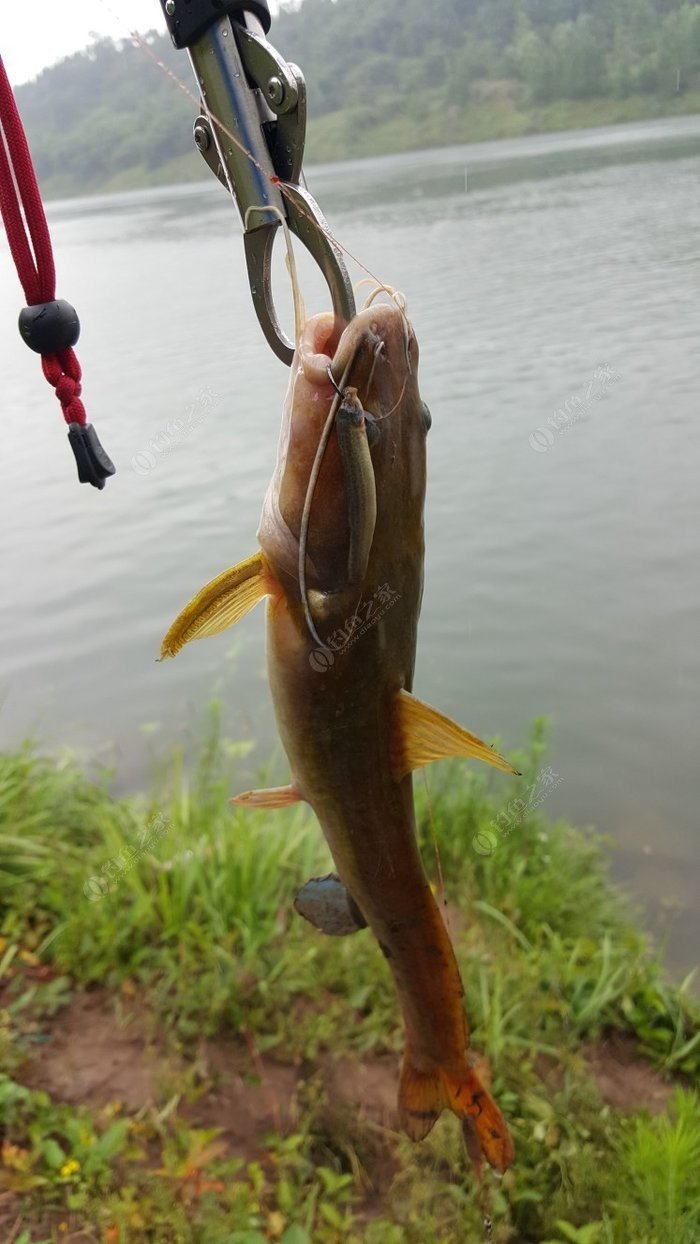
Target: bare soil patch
x=93 y=1058
x=624 y=1079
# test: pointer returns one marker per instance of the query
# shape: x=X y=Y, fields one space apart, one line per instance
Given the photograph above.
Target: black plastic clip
x=94 y=464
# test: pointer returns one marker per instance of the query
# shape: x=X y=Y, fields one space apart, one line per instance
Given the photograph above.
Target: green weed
x=192 y=908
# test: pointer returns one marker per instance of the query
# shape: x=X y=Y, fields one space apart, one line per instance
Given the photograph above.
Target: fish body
x=351 y=729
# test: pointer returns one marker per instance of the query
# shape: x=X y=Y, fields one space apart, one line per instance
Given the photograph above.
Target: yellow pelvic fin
x=223 y=602
x=422 y=734
x=275 y=797
x=424 y=1094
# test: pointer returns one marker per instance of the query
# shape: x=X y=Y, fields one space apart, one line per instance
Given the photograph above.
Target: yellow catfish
x=341 y=563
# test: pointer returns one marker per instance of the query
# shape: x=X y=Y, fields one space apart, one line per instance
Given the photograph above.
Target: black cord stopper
x=49 y=327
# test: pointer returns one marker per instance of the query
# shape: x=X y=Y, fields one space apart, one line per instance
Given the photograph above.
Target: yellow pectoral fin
x=223 y=602
x=275 y=797
x=422 y=734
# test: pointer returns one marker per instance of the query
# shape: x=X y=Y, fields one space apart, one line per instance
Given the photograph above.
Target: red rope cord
x=19 y=192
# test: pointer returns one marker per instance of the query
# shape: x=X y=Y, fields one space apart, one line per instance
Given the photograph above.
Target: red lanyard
x=48 y=325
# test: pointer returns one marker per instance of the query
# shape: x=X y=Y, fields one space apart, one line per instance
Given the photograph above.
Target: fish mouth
x=317 y=347
x=337 y=487
x=376 y=346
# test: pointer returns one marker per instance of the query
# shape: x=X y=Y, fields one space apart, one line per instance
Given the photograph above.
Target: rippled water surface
x=562 y=564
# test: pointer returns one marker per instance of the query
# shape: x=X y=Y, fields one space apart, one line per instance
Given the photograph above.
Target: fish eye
x=427 y=417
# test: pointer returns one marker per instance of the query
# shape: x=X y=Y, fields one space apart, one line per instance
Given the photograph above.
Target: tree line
x=111 y=108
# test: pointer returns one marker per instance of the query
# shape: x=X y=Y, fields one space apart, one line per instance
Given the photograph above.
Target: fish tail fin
x=421 y=1099
x=424 y=1094
x=482 y=1119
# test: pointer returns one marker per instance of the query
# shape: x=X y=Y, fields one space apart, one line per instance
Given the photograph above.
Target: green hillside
x=381 y=78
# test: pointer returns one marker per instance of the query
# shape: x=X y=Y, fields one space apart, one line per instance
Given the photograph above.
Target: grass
x=177 y=903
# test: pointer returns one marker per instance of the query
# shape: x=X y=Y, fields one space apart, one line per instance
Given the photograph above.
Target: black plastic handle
x=188 y=20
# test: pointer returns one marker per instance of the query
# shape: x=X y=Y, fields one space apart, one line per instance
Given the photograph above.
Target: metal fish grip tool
x=251 y=132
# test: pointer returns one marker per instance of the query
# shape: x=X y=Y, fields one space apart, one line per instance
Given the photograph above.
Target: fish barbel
x=341 y=641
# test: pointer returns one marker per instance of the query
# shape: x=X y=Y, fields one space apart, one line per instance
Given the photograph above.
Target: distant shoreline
x=337 y=137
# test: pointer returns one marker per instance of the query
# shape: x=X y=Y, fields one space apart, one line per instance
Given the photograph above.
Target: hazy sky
x=38 y=32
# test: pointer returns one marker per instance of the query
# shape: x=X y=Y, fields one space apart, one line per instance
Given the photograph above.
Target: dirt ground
x=92 y=1058
x=95 y=1052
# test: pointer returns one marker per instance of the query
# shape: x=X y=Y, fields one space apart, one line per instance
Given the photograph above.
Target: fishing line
x=274 y=181
x=395 y=294
x=378 y=349
x=299 y=308
x=397 y=297
x=380 y=287
x=400 y=301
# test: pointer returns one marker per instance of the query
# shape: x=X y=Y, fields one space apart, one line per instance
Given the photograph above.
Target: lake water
x=562 y=565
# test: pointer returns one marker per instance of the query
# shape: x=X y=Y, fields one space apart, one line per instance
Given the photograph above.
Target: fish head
x=374 y=361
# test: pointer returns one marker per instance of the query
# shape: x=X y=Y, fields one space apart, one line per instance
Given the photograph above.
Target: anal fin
x=422 y=734
x=220 y=604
